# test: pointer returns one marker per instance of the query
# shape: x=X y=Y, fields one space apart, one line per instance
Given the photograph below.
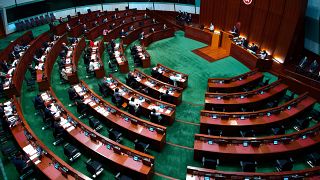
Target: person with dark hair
x=134 y=107
x=155 y=117
x=117 y=97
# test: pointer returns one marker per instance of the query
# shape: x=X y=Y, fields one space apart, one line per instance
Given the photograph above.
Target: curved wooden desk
x=132 y=126
x=166 y=74
x=157 y=87
x=50 y=165
x=117 y=156
x=9 y=88
x=259 y=120
x=251 y=99
x=134 y=35
x=258 y=148
x=122 y=61
x=25 y=60
x=167 y=110
x=158 y=35
x=234 y=84
x=97 y=31
x=42 y=75
x=195 y=173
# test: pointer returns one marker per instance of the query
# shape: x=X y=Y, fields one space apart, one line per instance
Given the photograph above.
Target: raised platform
x=211 y=54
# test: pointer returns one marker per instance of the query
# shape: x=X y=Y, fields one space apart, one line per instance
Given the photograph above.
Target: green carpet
x=175 y=53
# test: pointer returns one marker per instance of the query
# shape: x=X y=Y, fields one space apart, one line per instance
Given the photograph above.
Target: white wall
x=164 y=6
x=141 y=5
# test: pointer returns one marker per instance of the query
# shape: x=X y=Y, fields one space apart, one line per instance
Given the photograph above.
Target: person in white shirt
x=164 y=26
x=135 y=106
x=91 y=65
x=64 y=74
x=263 y=54
x=104 y=32
x=211 y=28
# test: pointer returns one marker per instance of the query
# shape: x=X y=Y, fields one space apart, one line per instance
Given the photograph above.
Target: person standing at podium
x=211 y=28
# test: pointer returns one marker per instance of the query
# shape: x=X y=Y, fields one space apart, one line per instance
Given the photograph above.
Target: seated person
x=141 y=36
x=131 y=28
x=91 y=65
x=154 y=21
x=117 y=97
x=166 y=97
x=211 y=28
x=130 y=80
x=235 y=31
x=152 y=30
x=263 y=54
x=313 y=67
x=123 y=33
x=135 y=107
x=253 y=48
x=155 y=117
x=68 y=28
x=73 y=95
x=38 y=102
x=244 y=43
x=303 y=63
x=164 y=27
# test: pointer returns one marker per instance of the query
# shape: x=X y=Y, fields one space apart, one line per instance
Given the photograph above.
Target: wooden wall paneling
x=292 y=13
x=219 y=13
x=232 y=13
x=203 y=10
x=272 y=25
x=258 y=21
x=245 y=15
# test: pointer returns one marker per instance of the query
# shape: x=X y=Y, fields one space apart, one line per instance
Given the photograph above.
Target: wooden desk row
x=117 y=156
x=23 y=65
x=157 y=35
x=169 y=75
x=96 y=55
x=234 y=84
x=198 y=35
x=195 y=173
x=157 y=87
x=259 y=120
x=256 y=148
x=167 y=111
x=121 y=59
x=50 y=165
x=115 y=32
x=61 y=28
x=133 y=127
x=26 y=38
x=97 y=31
x=134 y=35
x=144 y=56
x=43 y=76
x=251 y=99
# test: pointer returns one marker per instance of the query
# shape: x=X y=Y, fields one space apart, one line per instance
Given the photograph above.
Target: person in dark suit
x=166 y=97
x=253 y=48
x=235 y=31
x=155 y=117
x=4 y=66
x=38 y=103
x=73 y=95
x=130 y=80
x=47 y=113
x=117 y=97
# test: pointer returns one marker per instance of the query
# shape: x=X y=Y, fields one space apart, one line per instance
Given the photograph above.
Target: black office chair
x=120 y=176
x=95 y=123
x=103 y=90
x=210 y=163
x=141 y=146
x=115 y=135
x=214 y=132
x=94 y=168
x=313 y=159
x=71 y=152
x=302 y=123
x=30 y=84
x=248 y=166
x=58 y=134
x=248 y=133
x=278 y=130
x=284 y=164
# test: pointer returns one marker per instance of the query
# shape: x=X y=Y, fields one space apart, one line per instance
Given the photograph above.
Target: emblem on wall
x=247 y=2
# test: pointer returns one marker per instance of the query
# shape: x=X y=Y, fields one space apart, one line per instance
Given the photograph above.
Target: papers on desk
x=102 y=111
x=170 y=93
x=69 y=53
x=39 y=66
x=168 y=111
x=70 y=128
x=117 y=45
x=68 y=69
x=92 y=103
x=8 y=103
x=37 y=162
x=138 y=79
x=147 y=83
x=77 y=88
x=162 y=90
x=30 y=150
x=86 y=101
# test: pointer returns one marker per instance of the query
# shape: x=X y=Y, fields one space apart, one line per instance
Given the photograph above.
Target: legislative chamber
x=149 y=89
